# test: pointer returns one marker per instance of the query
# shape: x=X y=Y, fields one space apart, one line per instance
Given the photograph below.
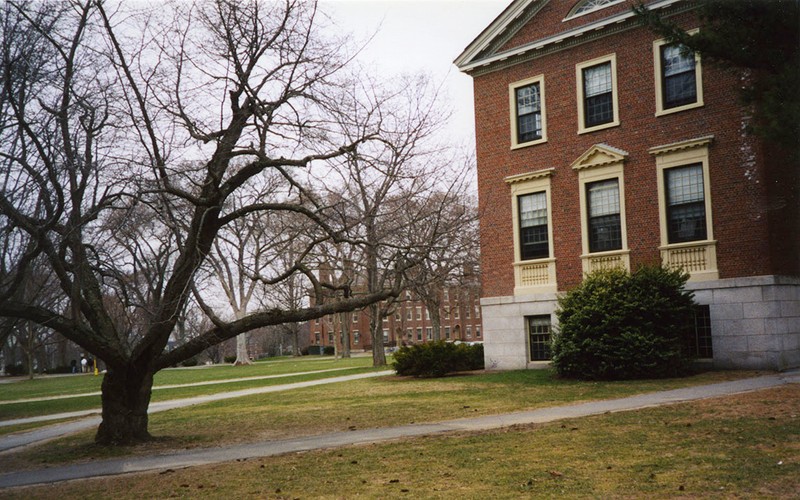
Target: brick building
x=409 y=321
x=598 y=144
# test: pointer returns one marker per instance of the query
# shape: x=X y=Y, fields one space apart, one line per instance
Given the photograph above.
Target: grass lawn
x=369 y=403
x=89 y=385
x=742 y=446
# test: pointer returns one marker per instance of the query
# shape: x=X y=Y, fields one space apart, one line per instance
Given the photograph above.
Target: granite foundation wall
x=755 y=324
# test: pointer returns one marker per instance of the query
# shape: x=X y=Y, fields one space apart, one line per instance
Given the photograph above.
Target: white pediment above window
x=599 y=155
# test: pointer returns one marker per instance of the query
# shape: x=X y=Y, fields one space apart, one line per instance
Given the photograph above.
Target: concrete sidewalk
x=271 y=448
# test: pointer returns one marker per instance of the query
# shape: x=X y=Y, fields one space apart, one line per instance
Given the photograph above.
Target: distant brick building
x=410 y=322
x=599 y=144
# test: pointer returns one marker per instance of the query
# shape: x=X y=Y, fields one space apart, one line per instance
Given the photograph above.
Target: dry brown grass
x=741 y=446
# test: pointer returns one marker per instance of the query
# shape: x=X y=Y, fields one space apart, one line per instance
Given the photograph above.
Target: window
x=446 y=313
x=477 y=332
x=477 y=312
x=409 y=334
x=419 y=333
x=539 y=337
x=446 y=295
x=527 y=112
x=427 y=314
x=330 y=337
x=533 y=232
x=429 y=333
x=469 y=332
x=603 y=222
x=686 y=209
x=534 y=268
x=316 y=321
x=409 y=314
x=597 y=95
x=678 y=77
x=468 y=312
x=601 y=180
x=385 y=319
x=456 y=312
x=701 y=345
x=317 y=338
x=356 y=336
x=355 y=317
x=684 y=205
x=419 y=313
x=587 y=6
x=447 y=332
x=386 y=335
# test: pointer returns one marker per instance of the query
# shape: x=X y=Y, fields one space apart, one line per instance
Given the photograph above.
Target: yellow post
x=95 y=367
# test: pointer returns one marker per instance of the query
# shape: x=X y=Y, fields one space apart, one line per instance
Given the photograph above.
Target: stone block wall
x=755 y=324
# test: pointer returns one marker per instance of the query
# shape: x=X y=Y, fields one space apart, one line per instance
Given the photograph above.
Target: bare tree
x=131 y=139
x=448 y=223
x=380 y=183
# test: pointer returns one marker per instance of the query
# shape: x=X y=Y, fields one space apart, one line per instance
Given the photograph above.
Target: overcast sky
x=414 y=36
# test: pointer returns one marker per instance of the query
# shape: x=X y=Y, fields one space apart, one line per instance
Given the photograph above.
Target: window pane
x=590 y=5
x=603 y=198
x=675 y=60
x=529 y=113
x=533 y=234
x=533 y=209
x=597 y=80
x=605 y=231
x=597 y=92
x=539 y=337
x=686 y=209
x=528 y=99
x=679 y=78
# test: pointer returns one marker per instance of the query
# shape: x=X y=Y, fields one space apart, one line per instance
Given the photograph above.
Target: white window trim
x=680 y=154
x=614 y=92
x=660 y=111
x=528 y=183
x=601 y=163
x=512 y=101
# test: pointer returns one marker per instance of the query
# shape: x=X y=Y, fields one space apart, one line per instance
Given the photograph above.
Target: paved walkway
x=270 y=448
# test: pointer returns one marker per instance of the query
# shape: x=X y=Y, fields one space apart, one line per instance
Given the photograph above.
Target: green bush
x=229 y=359
x=189 y=362
x=16 y=370
x=617 y=326
x=329 y=350
x=436 y=359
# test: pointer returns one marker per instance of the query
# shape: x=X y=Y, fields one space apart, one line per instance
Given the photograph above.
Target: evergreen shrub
x=436 y=359
x=618 y=325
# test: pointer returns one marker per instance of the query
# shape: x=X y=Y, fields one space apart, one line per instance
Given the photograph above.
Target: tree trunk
x=242 y=356
x=347 y=321
x=376 y=332
x=126 y=396
x=296 y=341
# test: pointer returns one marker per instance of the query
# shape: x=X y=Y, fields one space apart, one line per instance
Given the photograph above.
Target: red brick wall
x=549 y=20
x=737 y=188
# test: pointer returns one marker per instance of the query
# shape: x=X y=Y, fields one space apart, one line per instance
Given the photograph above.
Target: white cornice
x=678 y=146
x=513 y=179
x=466 y=63
x=494 y=29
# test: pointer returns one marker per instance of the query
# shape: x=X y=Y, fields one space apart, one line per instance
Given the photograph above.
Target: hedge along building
x=599 y=144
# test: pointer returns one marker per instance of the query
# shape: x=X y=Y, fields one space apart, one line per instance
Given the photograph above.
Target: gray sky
x=421 y=36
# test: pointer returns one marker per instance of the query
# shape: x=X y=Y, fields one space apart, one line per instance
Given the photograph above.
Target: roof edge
x=466 y=63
